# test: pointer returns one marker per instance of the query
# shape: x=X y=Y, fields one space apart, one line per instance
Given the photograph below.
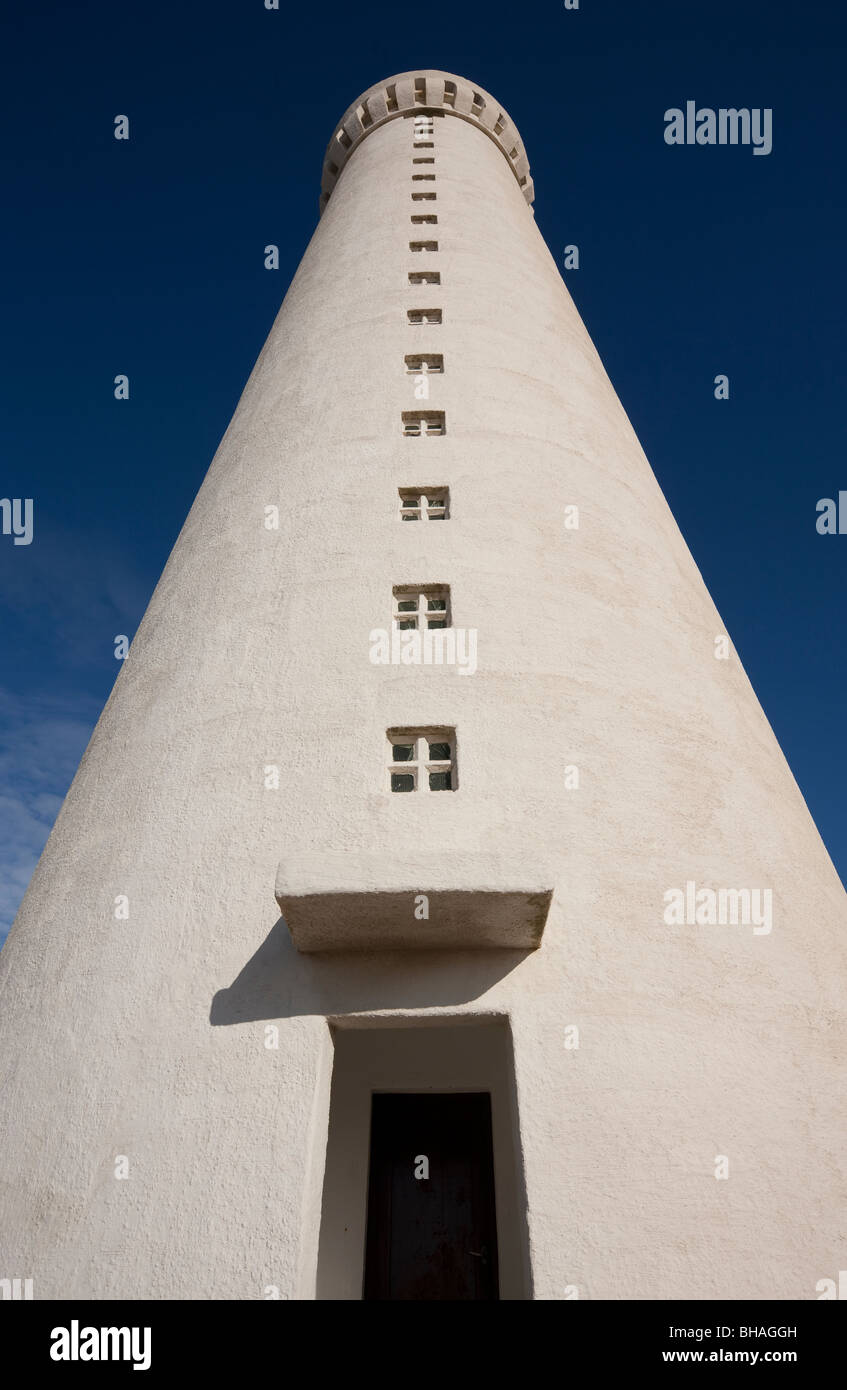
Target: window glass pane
x=407 y=605
x=440 y=782
x=407 y=624
x=439 y=751
x=403 y=752
x=437 y=605
x=402 y=782
x=411 y=516
x=434 y=623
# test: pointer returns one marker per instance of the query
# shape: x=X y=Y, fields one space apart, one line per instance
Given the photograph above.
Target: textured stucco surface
x=147 y=1037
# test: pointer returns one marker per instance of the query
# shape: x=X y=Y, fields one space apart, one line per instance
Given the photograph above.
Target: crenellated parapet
x=423 y=93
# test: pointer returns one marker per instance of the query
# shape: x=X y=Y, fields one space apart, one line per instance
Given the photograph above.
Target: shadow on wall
x=280 y=982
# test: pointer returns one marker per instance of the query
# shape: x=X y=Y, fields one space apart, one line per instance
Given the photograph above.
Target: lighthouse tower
x=433 y=913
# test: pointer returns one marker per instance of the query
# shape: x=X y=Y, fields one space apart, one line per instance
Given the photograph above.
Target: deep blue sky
x=146 y=258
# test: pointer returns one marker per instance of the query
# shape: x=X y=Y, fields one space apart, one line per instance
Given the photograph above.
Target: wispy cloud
x=41 y=742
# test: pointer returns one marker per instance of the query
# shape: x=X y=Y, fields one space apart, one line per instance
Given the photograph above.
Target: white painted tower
x=186 y=1091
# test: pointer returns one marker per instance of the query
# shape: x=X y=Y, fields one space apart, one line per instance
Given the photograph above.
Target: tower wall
x=147 y=1037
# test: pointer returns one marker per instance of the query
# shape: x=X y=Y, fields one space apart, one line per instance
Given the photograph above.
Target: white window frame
x=417 y=504
x=423 y=424
x=417 y=619
x=420 y=765
x=424 y=363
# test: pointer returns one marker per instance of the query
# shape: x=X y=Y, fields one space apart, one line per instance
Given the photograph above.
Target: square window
x=436 y=774
x=435 y=505
x=421 y=605
x=419 y=362
x=423 y=422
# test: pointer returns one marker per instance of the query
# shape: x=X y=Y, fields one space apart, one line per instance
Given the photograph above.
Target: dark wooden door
x=431 y=1237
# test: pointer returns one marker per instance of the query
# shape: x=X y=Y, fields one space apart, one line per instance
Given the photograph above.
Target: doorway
x=457 y=1060
x=431 y=1226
